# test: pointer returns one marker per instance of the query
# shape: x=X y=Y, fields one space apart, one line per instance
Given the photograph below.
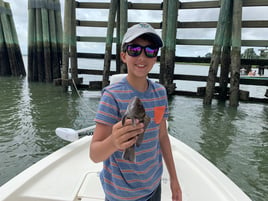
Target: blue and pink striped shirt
x=122 y=179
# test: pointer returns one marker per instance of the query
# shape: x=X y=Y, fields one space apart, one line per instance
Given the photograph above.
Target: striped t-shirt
x=122 y=179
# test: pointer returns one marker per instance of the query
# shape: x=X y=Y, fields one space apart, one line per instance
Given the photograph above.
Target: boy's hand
x=125 y=136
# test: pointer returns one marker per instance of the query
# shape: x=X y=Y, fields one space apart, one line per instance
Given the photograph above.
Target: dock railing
x=166 y=19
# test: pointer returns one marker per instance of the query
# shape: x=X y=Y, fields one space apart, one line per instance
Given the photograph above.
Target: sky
x=20 y=16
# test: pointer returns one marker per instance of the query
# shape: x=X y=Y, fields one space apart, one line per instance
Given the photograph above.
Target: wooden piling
x=118 y=40
x=236 y=53
x=46 y=44
x=216 y=53
x=14 y=66
x=4 y=62
x=43 y=57
x=109 y=42
x=32 y=75
x=170 y=45
x=226 y=52
x=123 y=26
x=39 y=63
x=59 y=34
x=55 y=26
x=18 y=55
x=73 y=44
x=66 y=42
x=164 y=38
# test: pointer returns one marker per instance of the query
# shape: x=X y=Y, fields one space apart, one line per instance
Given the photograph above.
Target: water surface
x=234 y=139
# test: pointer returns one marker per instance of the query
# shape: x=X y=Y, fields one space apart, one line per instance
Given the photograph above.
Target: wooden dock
x=226 y=52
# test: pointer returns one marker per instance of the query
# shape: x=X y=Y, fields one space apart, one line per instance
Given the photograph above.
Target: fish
x=135 y=110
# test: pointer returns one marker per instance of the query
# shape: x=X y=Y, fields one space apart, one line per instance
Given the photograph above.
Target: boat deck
x=69 y=175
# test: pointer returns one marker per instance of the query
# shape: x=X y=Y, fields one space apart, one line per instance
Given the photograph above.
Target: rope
x=82 y=98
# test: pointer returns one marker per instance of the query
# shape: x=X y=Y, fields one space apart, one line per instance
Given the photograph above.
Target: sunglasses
x=135 y=50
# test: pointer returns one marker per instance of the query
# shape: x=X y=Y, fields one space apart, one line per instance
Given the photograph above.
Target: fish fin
x=129 y=154
x=147 y=120
x=133 y=121
x=124 y=119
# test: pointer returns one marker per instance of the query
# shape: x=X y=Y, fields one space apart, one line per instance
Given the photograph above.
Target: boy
x=140 y=180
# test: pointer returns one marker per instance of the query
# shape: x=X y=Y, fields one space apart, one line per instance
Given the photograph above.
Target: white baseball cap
x=139 y=29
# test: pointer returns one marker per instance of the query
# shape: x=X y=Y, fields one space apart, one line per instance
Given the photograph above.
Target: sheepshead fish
x=135 y=110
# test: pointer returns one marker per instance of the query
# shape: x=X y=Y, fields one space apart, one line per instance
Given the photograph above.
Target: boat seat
x=89 y=192
x=91 y=189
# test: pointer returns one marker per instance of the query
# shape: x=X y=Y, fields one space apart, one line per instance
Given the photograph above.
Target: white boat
x=69 y=175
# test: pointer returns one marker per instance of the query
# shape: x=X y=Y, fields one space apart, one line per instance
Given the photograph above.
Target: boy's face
x=141 y=65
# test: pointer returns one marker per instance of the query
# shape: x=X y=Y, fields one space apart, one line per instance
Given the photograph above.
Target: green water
x=235 y=140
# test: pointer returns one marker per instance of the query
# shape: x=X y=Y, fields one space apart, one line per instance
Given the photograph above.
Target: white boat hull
x=69 y=175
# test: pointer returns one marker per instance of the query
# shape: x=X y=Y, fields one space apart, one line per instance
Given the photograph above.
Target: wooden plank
x=91 y=39
x=136 y=6
x=90 y=55
x=262 y=62
x=85 y=23
x=145 y=6
x=255 y=24
x=204 y=24
x=254 y=43
x=195 y=78
x=213 y=24
x=92 y=5
x=193 y=59
x=199 y=5
x=255 y=3
x=200 y=42
x=204 y=42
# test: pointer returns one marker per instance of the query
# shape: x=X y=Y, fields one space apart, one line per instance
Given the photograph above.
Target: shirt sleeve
x=108 y=111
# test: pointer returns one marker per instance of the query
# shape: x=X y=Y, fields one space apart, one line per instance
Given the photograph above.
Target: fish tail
x=129 y=154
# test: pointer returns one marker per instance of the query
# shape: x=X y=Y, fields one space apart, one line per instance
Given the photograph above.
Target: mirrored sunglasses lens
x=151 y=52
x=134 y=50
